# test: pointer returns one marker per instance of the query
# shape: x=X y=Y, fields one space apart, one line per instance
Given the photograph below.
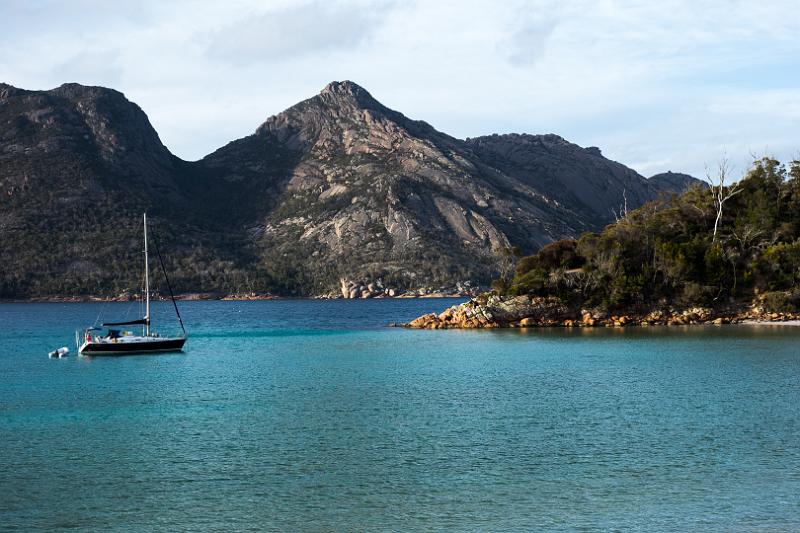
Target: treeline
x=707 y=246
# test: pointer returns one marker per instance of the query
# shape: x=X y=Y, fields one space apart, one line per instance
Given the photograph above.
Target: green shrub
x=781 y=302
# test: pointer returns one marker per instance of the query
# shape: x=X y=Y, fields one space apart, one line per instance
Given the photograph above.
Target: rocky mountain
x=674 y=181
x=78 y=166
x=336 y=187
x=76 y=138
x=580 y=178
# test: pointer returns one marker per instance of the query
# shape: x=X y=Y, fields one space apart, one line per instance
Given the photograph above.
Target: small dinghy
x=58 y=354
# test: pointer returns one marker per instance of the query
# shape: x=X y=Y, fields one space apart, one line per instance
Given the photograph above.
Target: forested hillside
x=669 y=251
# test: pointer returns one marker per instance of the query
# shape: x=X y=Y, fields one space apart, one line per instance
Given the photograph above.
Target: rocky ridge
x=491 y=311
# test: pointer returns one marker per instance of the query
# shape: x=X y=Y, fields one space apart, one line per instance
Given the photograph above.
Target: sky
x=667 y=85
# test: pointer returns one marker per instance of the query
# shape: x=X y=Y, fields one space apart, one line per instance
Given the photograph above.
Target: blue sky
x=668 y=85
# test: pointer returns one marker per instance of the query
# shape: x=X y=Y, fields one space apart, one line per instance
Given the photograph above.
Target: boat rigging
x=119 y=342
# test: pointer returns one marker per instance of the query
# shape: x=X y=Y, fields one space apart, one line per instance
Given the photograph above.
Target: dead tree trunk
x=721 y=194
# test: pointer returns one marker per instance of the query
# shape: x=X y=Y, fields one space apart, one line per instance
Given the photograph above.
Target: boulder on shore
x=497 y=312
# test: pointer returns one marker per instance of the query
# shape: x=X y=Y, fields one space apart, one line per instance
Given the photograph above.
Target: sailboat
x=115 y=341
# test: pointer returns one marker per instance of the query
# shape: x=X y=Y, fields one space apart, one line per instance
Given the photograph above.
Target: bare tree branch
x=721 y=195
x=623 y=208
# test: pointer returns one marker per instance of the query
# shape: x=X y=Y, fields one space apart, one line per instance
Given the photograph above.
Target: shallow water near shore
x=312 y=415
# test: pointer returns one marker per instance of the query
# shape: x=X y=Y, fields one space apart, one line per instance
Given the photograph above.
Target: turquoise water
x=310 y=415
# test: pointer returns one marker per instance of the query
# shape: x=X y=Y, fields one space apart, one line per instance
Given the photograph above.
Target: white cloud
x=288 y=33
x=657 y=85
x=90 y=66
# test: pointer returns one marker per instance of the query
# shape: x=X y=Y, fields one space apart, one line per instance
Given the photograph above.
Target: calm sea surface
x=313 y=416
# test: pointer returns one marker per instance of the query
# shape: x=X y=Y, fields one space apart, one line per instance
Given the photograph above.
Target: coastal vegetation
x=712 y=255
x=705 y=247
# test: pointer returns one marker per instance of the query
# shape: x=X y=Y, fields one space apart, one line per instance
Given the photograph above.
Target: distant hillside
x=337 y=186
x=78 y=166
x=674 y=181
x=580 y=178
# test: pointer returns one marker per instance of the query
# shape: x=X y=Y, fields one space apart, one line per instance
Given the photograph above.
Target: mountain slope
x=49 y=135
x=367 y=192
x=336 y=187
x=579 y=177
x=78 y=166
x=362 y=191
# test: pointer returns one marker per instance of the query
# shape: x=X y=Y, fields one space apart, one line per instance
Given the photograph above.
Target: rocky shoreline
x=351 y=289
x=206 y=296
x=491 y=311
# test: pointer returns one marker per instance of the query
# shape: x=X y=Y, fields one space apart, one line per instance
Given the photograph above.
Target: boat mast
x=146 y=282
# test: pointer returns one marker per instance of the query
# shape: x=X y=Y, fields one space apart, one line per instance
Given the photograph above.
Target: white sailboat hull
x=131 y=345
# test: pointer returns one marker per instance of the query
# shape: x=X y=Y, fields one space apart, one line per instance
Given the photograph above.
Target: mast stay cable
x=169 y=285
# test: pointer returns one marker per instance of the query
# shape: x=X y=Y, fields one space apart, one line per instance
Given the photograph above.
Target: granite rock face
x=363 y=192
x=336 y=187
x=488 y=311
x=372 y=194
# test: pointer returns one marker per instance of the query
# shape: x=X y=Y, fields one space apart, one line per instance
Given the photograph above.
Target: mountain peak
x=338 y=106
x=7 y=91
x=345 y=87
x=350 y=92
x=78 y=91
x=674 y=181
